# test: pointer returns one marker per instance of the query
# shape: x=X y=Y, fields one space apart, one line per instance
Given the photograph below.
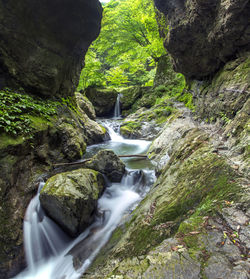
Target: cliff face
x=205 y=34
x=43 y=43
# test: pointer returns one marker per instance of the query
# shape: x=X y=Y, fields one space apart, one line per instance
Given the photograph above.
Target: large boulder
x=103 y=100
x=70 y=198
x=43 y=43
x=108 y=163
x=204 y=35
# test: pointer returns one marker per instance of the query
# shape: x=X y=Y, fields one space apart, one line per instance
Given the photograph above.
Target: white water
x=49 y=252
x=117 y=110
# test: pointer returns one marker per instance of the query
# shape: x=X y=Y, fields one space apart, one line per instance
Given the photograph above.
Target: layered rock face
x=43 y=43
x=204 y=35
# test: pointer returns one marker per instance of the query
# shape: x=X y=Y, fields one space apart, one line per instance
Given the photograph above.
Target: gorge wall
x=43 y=43
x=42 y=49
x=204 y=35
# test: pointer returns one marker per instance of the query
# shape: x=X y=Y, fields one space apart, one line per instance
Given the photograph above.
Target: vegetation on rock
x=18 y=110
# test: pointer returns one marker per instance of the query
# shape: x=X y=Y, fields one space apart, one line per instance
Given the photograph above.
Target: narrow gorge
x=124 y=139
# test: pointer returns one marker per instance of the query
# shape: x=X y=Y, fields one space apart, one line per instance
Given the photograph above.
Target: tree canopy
x=128 y=48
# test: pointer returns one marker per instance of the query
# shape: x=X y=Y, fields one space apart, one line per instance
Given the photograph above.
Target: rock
x=162 y=147
x=218 y=266
x=226 y=94
x=108 y=163
x=43 y=44
x=140 y=125
x=164 y=71
x=134 y=98
x=200 y=33
x=85 y=105
x=103 y=100
x=129 y=96
x=70 y=198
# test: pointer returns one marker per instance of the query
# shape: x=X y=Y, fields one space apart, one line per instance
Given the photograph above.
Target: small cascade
x=117 y=110
x=42 y=237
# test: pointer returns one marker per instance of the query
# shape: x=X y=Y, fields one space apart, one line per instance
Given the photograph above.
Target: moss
x=103 y=129
x=128 y=128
x=39 y=123
x=7 y=140
x=193 y=224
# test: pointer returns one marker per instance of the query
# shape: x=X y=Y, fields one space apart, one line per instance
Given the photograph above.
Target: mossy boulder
x=129 y=96
x=108 y=163
x=70 y=198
x=85 y=105
x=134 y=98
x=103 y=100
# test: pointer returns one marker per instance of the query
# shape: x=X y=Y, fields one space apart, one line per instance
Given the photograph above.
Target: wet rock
x=200 y=33
x=70 y=198
x=85 y=105
x=43 y=46
x=218 y=266
x=239 y=222
x=138 y=126
x=103 y=100
x=108 y=163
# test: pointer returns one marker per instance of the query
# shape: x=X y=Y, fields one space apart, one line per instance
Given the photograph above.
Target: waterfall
x=117 y=110
x=50 y=253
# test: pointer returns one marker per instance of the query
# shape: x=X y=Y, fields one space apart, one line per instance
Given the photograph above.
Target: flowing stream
x=50 y=254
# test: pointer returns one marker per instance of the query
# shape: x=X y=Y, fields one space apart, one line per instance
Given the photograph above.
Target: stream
x=50 y=253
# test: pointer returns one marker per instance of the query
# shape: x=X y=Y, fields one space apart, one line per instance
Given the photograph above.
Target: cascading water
x=117 y=110
x=50 y=253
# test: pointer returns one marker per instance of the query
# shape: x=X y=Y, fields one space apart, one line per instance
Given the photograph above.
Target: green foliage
x=128 y=48
x=187 y=99
x=116 y=77
x=17 y=107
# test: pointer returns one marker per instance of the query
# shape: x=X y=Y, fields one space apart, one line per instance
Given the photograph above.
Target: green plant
x=224 y=117
x=187 y=99
x=16 y=107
